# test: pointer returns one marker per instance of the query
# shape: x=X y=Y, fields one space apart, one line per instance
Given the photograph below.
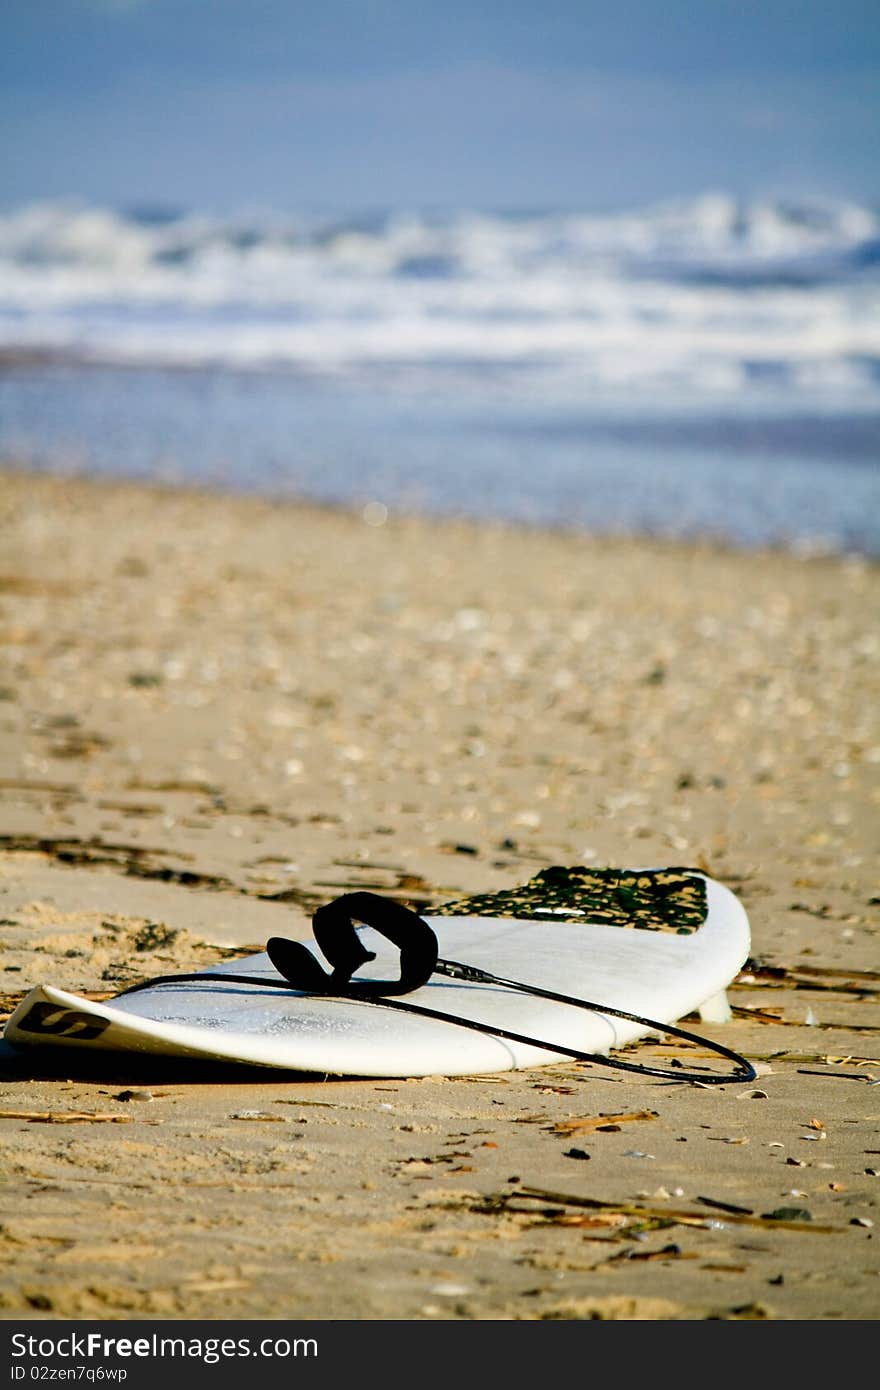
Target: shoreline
x=811 y=550
x=220 y=709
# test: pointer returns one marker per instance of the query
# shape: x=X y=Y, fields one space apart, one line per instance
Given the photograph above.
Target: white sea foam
x=706 y=297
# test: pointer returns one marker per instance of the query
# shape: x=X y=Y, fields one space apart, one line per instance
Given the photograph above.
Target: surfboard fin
x=717 y=1009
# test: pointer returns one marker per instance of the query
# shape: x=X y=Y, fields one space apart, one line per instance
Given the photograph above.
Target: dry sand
x=219 y=712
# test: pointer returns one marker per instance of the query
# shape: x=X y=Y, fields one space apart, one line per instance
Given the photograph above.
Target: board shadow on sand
x=125 y=1069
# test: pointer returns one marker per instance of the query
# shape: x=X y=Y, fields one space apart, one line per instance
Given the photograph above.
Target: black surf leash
x=340 y=943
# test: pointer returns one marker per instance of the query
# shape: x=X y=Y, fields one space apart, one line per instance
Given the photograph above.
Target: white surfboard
x=657 y=968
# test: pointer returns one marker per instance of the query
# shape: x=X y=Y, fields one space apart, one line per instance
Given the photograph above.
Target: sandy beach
x=219 y=712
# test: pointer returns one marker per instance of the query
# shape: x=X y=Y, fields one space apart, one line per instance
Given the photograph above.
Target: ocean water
x=695 y=368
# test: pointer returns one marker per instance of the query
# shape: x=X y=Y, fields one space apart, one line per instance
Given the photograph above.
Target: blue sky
x=494 y=103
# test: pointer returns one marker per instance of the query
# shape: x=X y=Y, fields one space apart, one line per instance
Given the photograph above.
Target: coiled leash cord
x=336 y=935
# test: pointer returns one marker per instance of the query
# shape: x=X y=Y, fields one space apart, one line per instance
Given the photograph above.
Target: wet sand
x=217 y=713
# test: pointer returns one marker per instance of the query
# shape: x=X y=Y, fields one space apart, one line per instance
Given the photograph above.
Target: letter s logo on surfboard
x=66 y=1023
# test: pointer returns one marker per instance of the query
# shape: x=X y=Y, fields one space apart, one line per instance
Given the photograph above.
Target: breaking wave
x=688 y=300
